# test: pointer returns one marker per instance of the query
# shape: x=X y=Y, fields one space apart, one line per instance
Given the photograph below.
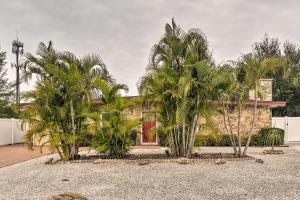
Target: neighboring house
x=264 y=115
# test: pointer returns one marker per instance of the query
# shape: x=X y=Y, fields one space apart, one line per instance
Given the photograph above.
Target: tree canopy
x=6 y=90
x=286 y=80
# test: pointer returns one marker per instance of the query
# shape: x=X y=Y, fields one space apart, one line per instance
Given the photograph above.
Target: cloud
x=123 y=31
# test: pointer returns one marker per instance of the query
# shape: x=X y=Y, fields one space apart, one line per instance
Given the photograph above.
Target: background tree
x=286 y=84
x=6 y=90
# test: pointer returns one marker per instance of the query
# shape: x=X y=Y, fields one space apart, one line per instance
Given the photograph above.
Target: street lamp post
x=17 y=48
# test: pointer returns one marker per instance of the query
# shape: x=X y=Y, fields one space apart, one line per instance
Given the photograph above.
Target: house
x=264 y=115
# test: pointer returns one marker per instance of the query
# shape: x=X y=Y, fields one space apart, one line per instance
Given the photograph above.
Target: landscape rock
x=183 y=161
x=220 y=161
x=49 y=162
x=259 y=161
x=98 y=161
x=144 y=162
x=66 y=196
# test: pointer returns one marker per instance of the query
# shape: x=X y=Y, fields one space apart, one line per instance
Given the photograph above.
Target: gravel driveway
x=277 y=178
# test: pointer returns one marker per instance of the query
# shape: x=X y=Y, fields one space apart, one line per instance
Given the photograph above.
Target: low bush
x=215 y=140
x=201 y=140
x=162 y=138
x=264 y=133
x=133 y=137
x=258 y=139
x=226 y=140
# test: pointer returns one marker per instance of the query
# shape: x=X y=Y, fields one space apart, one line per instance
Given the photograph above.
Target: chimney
x=265 y=88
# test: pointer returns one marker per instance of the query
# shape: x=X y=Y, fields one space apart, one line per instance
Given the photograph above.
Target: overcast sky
x=123 y=31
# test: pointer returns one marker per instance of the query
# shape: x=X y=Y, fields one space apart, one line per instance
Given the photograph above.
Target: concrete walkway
x=12 y=154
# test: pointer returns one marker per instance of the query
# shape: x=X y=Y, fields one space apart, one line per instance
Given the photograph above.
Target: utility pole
x=17 y=48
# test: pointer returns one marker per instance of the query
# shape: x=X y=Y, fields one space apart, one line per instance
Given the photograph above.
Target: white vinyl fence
x=291 y=127
x=10 y=132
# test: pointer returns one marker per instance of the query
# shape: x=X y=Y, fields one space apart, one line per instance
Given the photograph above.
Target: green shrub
x=115 y=135
x=211 y=141
x=225 y=140
x=162 y=138
x=201 y=140
x=133 y=137
x=257 y=140
x=261 y=137
x=273 y=138
x=215 y=140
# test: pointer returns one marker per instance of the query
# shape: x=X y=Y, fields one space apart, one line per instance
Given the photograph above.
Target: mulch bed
x=161 y=158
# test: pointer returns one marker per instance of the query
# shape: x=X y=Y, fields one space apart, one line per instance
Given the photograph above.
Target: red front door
x=149 y=128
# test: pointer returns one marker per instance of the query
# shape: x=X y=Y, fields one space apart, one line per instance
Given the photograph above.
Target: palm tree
x=113 y=136
x=255 y=70
x=177 y=84
x=233 y=85
x=225 y=85
x=75 y=82
x=48 y=118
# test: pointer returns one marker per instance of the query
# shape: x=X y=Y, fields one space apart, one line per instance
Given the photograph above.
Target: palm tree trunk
x=59 y=153
x=193 y=130
x=172 y=143
x=73 y=128
x=230 y=128
x=192 y=136
x=183 y=138
x=187 y=137
x=253 y=123
x=176 y=141
x=239 y=131
x=196 y=129
x=229 y=132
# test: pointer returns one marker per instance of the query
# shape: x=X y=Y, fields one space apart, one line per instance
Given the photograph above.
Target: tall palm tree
x=75 y=81
x=177 y=84
x=256 y=69
x=233 y=83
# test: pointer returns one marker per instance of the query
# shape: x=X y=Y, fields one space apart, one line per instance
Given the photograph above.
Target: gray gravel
x=277 y=178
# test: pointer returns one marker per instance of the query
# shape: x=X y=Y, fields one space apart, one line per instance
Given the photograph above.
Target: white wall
x=291 y=127
x=10 y=132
